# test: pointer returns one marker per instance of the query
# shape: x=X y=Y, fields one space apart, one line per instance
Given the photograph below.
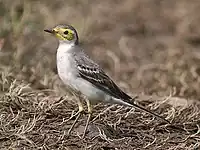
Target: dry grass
x=150 y=47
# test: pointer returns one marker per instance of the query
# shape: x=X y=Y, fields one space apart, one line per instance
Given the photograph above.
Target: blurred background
x=147 y=46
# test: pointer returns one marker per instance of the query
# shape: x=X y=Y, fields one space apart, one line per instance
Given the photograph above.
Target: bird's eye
x=66 y=32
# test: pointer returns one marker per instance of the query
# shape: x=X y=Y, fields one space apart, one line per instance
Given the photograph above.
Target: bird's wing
x=91 y=72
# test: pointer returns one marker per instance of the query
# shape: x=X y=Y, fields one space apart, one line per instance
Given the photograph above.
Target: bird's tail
x=154 y=114
x=132 y=104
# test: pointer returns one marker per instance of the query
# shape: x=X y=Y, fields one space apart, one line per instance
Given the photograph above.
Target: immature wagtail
x=84 y=76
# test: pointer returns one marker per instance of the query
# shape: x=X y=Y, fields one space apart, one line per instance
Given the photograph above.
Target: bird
x=85 y=77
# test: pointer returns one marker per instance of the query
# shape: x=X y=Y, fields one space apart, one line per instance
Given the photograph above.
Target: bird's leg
x=89 y=116
x=80 y=110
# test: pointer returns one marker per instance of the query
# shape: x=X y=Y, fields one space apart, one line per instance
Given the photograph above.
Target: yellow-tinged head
x=64 y=33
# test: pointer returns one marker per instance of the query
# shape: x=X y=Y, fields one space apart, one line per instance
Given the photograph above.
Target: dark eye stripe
x=66 y=32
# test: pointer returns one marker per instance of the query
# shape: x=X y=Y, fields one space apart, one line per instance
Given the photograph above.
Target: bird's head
x=64 y=33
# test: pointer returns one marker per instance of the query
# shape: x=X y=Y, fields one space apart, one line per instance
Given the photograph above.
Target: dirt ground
x=151 y=48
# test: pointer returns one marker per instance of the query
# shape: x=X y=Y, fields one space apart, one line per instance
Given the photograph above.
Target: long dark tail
x=131 y=103
x=140 y=107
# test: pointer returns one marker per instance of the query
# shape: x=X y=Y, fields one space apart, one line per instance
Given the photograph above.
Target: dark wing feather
x=91 y=72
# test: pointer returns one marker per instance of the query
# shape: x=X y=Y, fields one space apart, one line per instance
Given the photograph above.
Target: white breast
x=65 y=64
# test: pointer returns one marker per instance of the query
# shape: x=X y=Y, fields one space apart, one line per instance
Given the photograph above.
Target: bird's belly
x=68 y=77
x=91 y=92
x=84 y=87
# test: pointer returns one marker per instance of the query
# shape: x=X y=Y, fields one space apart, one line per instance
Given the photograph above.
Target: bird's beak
x=49 y=31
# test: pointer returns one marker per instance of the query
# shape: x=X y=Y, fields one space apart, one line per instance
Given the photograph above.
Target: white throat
x=65 y=47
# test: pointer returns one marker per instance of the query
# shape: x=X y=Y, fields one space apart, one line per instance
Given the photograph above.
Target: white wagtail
x=84 y=76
